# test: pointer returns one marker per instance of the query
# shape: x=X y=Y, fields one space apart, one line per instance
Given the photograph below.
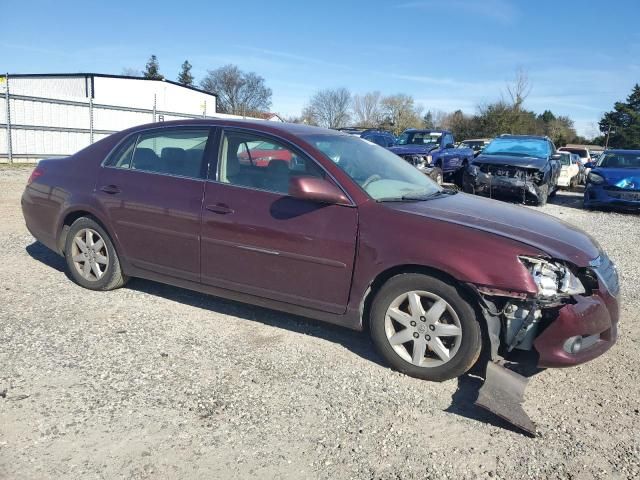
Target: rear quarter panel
x=66 y=186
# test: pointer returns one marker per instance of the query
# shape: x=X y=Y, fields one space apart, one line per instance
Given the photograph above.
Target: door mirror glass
x=450 y=145
x=316 y=189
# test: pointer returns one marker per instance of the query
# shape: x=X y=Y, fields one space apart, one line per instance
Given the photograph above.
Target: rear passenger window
x=251 y=161
x=177 y=151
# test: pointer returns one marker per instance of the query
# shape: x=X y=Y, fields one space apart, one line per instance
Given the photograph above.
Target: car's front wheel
x=91 y=257
x=425 y=328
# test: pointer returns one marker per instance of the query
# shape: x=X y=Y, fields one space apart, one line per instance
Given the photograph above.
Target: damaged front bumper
x=611 y=196
x=581 y=332
x=494 y=180
x=560 y=332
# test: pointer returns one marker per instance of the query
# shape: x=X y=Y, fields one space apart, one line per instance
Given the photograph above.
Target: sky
x=580 y=56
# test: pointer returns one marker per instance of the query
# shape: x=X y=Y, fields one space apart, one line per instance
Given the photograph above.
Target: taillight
x=37 y=173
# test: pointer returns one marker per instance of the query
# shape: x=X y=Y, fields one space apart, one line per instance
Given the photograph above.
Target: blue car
x=614 y=181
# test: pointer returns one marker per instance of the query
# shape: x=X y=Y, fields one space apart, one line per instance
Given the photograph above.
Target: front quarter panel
x=390 y=239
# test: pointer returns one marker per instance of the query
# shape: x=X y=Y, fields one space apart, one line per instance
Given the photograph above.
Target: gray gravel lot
x=151 y=381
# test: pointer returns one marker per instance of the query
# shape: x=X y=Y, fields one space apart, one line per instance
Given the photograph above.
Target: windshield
x=519 y=147
x=565 y=158
x=620 y=160
x=419 y=138
x=380 y=173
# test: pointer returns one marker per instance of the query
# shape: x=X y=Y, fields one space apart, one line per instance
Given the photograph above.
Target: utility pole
x=606 y=144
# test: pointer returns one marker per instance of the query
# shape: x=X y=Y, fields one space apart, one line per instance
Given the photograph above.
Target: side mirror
x=450 y=145
x=589 y=165
x=317 y=190
x=556 y=156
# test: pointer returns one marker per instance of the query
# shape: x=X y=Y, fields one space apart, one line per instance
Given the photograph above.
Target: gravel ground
x=152 y=381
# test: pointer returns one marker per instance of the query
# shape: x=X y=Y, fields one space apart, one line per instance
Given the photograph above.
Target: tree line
x=246 y=93
x=238 y=92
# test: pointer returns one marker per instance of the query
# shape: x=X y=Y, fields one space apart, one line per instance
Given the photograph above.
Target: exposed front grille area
x=506 y=171
x=622 y=193
x=414 y=160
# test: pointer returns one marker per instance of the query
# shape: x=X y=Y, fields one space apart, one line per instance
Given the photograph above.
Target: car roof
x=523 y=137
x=622 y=150
x=426 y=130
x=263 y=125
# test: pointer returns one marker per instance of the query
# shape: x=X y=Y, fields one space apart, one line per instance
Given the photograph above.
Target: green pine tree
x=185 y=77
x=622 y=124
x=152 y=69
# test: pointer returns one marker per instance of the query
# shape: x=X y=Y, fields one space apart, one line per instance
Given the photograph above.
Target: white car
x=571 y=171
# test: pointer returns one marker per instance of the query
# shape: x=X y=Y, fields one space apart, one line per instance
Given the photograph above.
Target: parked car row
x=528 y=167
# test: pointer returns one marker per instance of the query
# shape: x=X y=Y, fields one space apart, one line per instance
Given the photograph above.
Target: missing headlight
x=552 y=278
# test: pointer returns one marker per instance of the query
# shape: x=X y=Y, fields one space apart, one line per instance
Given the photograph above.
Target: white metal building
x=48 y=115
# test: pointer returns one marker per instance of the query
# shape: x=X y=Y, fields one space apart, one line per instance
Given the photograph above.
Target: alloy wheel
x=89 y=254
x=423 y=329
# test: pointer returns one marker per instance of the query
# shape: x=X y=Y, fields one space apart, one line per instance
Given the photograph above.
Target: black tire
x=467 y=183
x=543 y=195
x=470 y=341
x=437 y=175
x=112 y=276
x=459 y=176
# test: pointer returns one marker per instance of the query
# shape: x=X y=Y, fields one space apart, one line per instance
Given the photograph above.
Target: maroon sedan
x=341 y=231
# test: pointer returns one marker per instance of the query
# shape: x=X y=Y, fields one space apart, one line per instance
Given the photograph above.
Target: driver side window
x=249 y=160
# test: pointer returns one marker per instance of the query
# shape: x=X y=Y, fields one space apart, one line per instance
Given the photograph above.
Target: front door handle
x=110 y=189
x=220 y=208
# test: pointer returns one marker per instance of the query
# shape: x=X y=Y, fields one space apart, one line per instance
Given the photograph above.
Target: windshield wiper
x=418 y=197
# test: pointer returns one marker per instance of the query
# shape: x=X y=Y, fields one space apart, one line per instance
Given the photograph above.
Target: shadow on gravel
x=462 y=402
x=356 y=342
x=51 y=259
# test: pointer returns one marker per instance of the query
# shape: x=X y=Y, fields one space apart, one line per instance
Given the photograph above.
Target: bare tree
x=239 y=93
x=440 y=118
x=366 y=109
x=401 y=112
x=329 y=108
x=519 y=89
x=131 y=72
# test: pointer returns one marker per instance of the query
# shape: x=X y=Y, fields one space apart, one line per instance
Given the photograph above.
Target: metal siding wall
x=39 y=124
x=62 y=88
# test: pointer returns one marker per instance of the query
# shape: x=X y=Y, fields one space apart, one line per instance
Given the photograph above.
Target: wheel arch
x=71 y=216
x=466 y=290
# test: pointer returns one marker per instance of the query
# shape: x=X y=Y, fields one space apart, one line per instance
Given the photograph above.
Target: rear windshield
x=620 y=160
x=578 y=151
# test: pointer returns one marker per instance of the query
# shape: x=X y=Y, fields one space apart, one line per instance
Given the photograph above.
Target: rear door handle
x=220 y=208
x=110 y=189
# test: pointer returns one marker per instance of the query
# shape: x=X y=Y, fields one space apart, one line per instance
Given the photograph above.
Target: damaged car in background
x=522 y=166
x=614 y=181
x=328 y=230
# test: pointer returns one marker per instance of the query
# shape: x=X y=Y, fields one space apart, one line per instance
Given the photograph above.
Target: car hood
x=411 y=149
x=558 y=239
x=628 y=178
x=515 y=161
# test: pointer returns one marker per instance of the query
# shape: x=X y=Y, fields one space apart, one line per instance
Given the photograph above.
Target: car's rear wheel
x=425 y=328
x=91 y=257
